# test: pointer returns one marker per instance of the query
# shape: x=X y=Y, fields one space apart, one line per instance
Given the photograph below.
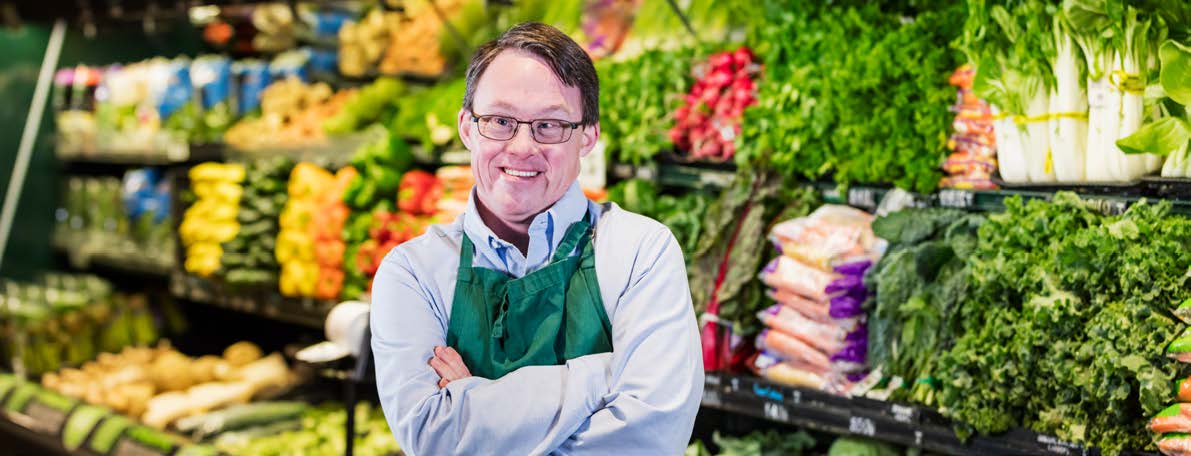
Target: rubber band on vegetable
x=1127 y=82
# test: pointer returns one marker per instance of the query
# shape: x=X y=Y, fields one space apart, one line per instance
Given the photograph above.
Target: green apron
x=500 y=324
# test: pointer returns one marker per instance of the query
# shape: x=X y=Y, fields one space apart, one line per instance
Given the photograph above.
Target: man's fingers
x=442 y=383
x=452 y=358
x=440 y=367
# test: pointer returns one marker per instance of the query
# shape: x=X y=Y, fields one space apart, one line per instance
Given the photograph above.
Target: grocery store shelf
x=902 y=424
x=270 y=304
x=128 y=263
x=1109 y=197
x=192 y=154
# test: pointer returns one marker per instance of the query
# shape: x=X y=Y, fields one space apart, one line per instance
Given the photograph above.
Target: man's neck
x=516 y=233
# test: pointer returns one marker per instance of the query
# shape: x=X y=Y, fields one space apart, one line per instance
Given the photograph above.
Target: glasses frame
x=517 y=126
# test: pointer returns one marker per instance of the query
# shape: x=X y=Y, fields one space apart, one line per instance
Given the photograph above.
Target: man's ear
x=465 y=125
x=590 y=134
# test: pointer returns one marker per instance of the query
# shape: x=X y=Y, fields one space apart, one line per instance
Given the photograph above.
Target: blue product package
x=253 y=77
x=139 y=192
x=212 y=75
x=177 y=90
x=326 y=24
x=324 y=60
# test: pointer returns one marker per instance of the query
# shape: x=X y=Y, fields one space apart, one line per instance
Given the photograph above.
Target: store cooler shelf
x=1110 y=198
x=308 y=312
x=128 y=261
x=902 y=424
x=183 y=155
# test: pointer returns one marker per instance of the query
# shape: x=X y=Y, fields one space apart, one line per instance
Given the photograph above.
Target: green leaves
x=824 y=67
x=1175 y=75
x=1161 y=137
x=1064 y=325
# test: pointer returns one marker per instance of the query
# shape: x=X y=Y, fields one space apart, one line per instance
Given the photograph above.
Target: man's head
x=532 y=72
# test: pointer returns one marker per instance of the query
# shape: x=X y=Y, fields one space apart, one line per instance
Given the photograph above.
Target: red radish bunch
x=708 y=121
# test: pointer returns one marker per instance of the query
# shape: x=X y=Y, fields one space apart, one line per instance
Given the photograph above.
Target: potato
x=171 y=372
x=241 y=353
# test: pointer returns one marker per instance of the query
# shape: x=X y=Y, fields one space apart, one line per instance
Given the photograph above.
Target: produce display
x=116 y=218
x=427 y=116
x=973 y=144
x=816 y=335
x=249 y=260
x=708 y=121
x=212 y=219
x=771 y=442
x=396 y=42
x=634 y=94
x=292 y=115
x=65 y=320
x=722 y=268
x=1068 y=86
x=1049 y=316
x=309 y=246
x=317 y=431
x=845 y=101
x=160 y=386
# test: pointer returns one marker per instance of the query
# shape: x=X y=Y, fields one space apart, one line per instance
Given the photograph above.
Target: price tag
x=796 y=397
x=622 y=171
x=959 y=199
x=917 y=437
x=1055 y=446
x=862 y=197
x=860 y=425
x=711 y=397
x=1107 y=207
x=735 y=385
x=775 y=411
x=711 y=380
x=714 y=178
x=903 y=414
x=645 y=173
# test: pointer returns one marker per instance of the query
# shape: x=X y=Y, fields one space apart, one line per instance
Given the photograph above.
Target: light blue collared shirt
x=640 y=399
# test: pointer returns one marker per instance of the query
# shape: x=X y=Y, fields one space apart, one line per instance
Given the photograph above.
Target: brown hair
x=569 y=62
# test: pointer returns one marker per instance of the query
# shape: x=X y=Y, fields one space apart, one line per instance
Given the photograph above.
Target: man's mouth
x=520 y=173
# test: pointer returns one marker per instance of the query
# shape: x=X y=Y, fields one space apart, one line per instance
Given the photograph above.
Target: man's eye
x=501 y=121
x=547 y=125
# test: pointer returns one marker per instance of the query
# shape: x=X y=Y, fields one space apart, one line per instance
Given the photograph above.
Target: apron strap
x=466 y=254
x=576 y=236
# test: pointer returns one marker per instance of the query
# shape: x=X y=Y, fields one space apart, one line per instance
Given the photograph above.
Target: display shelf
x=1108 y=197
x=270 y=304
x=902 y=424
x=123 y=262
x=189 y=155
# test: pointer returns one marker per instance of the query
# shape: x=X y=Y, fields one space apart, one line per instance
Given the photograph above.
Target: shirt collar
x=545 y=233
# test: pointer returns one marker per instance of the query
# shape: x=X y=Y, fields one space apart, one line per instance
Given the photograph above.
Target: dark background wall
x=21 y=52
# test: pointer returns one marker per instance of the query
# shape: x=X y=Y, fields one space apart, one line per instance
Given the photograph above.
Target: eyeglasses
x=544 y=131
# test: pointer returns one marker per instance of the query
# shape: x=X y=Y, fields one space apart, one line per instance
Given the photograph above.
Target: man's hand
x=448 y=365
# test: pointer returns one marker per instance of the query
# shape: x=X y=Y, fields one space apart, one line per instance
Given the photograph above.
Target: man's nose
x=522 y=142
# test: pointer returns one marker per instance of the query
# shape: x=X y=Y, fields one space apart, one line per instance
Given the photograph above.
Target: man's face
x=520 y=85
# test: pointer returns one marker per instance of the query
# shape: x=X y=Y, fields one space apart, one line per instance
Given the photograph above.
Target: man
x=538 y=322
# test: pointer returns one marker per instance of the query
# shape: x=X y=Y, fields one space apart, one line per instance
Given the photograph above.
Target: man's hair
x=569 y=62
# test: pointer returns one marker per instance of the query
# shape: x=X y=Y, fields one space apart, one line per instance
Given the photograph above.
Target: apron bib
x=500 y=324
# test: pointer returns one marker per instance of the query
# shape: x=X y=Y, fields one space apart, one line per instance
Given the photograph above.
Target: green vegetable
x=765 y=443
x=1180 y=345
x=321 y=433
x=241 y=438
x=79 y=425
x=239 y=416
x=151 y=438
x=372 y=103
x=637 y=99
x=857 y=446
x=197 y=450
x=109 y=430
x=1066 y=322
x=825 y=64
x=917 y=286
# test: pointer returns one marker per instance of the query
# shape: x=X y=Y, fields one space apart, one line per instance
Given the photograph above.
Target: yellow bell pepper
x=214 y=171
x=297 y=215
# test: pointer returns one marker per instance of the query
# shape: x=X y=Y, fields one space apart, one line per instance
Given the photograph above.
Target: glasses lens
x=497 y=128
x=551 y=131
